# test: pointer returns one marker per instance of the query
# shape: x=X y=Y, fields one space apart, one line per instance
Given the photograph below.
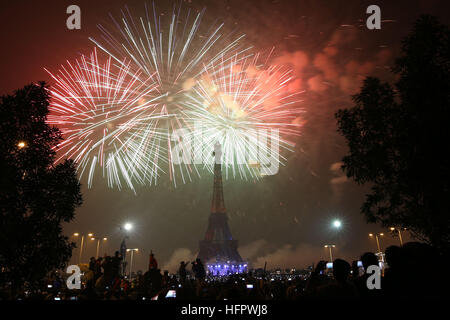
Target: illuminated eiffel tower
x=219 y=246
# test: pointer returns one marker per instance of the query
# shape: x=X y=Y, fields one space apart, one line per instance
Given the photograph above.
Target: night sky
x=283 y=219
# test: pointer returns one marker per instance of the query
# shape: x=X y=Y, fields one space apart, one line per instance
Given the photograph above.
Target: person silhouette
x=340 y=288
x=182 y=271
x=152 y=264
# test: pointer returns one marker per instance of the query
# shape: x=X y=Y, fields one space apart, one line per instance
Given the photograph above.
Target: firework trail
x=177 y=53
x=173 y=52
x=99 y=109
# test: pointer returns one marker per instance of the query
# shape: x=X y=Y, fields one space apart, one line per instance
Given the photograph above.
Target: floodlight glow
x=128 y=226
x=337 y=223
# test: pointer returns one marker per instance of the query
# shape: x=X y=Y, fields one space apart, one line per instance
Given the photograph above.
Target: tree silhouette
x=397 y=138
x=36 y=195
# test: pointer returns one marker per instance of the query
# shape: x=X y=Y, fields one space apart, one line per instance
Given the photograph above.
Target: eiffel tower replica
x=219 y=247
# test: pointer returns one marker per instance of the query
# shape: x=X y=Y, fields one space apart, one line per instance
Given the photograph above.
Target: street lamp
x=371 y=235
x=105 y=247
x=98 y=244
x=76 y=234
x=337 y=224
x=131 y=262
x=330 y=246
x=21 y=144
x=399 y=231
x=123 y=247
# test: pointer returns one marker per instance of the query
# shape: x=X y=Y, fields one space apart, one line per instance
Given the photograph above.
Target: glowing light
x=225 y=269
x=128 y=226
x=21 y=144
x=337 y=224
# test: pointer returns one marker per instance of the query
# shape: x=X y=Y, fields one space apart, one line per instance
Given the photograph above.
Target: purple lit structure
x=226 y=268
x=219 y=251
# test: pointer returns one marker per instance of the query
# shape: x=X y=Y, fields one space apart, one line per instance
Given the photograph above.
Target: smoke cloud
x=180 y=254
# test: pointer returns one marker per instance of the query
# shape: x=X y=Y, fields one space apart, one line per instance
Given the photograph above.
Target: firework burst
x=248 y=108
x=165 y=95
x=99 y=108
x=173 y=52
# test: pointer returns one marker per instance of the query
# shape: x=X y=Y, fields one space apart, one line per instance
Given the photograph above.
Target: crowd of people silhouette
x=410 y=272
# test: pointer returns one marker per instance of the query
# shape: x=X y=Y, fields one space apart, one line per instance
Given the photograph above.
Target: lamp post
x=371 y=235
x=76 y=234
x=330 y=246
x=123 y=247
x=131 y=261
x=98 y=245
x=399 y=231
